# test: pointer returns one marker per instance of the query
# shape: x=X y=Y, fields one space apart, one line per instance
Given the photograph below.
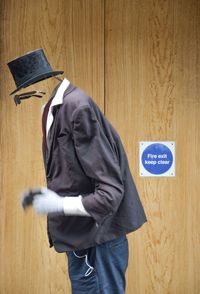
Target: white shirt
x=58 y=99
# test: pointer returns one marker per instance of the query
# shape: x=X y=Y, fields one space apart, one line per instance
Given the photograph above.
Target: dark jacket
x=86 y=157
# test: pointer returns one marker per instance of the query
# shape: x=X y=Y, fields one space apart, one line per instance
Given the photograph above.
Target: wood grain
x=139 y=60
x=71 y=33
x=152 y=94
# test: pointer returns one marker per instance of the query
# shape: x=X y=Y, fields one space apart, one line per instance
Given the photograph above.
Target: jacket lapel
x=52 y=132
x=53 y=129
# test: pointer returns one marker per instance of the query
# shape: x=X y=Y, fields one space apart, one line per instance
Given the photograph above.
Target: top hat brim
x=38 y=78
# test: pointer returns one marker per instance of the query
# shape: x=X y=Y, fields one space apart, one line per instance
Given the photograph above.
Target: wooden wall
x=139 y=60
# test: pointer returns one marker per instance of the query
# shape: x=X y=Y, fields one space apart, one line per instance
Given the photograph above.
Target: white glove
x=46 y=201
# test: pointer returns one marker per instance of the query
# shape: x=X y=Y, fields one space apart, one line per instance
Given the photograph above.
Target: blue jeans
x=100 y=269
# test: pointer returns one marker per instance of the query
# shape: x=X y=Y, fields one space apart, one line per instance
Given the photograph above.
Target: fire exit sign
x=157 y=159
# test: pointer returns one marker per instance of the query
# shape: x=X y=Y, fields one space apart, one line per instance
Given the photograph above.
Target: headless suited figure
x=90 y=200
x=27 y=70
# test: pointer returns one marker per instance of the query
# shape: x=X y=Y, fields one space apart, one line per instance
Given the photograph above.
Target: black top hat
x=31 y=68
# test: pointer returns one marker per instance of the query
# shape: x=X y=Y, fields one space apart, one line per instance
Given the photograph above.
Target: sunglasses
x=19 y=97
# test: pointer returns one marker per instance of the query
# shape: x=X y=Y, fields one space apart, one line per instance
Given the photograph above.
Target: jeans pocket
x=117 y=242
x=79 y=265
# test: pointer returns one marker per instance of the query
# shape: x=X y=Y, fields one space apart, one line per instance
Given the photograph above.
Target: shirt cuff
x=74 y=206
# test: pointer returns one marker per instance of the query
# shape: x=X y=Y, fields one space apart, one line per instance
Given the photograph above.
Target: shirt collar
x=58 y=98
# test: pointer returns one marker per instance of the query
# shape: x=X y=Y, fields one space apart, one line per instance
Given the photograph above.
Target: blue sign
x=157 y=158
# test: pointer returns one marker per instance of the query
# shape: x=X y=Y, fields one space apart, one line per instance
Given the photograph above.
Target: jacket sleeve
x=99 y=163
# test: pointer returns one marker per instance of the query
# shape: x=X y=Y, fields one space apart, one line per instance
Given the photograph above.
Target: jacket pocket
x=67 y=149
x=70 y=161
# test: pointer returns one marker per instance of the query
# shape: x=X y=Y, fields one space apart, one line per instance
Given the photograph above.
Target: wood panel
x=152 y=93
x=150 y=50
x=71 y=33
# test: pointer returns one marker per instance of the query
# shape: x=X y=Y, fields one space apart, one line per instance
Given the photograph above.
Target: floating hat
x=30 y=68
